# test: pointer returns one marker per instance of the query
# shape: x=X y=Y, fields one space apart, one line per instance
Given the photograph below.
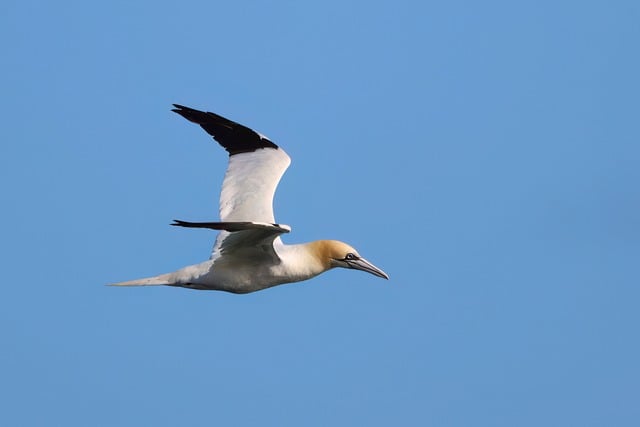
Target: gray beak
x=364 y=265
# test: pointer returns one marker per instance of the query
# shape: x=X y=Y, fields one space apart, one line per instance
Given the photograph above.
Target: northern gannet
x=248 y=254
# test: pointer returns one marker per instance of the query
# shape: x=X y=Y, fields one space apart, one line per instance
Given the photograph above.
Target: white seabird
x=248 y=254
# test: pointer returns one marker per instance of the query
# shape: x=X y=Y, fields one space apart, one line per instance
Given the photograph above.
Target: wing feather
x=234 y=226
x=234 y=137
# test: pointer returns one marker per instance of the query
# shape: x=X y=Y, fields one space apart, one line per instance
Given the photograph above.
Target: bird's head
x=338 y=254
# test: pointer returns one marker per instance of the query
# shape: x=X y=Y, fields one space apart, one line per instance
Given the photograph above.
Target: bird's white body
x=242 y=275
x=248 y=254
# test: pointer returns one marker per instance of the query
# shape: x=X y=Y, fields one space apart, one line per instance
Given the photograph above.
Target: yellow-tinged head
x=333 y=253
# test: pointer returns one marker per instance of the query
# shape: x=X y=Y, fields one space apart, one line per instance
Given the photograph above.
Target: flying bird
x=248 y=254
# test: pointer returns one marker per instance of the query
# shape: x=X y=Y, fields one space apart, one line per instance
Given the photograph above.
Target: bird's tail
x=163 y=279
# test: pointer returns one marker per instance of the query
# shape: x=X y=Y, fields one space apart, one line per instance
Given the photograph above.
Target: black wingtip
x=190 y=114
x=179 y=107
x=234 y=137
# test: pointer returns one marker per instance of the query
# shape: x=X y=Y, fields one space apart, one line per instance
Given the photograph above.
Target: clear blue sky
x=485 y=154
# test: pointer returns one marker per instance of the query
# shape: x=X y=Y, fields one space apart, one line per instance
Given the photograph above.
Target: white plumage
x=250 y=184
x=248 y=254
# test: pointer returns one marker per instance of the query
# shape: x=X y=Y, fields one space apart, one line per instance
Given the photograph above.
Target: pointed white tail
x=160 y=280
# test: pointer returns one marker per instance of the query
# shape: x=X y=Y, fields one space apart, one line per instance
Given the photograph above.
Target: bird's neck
x=303 y=261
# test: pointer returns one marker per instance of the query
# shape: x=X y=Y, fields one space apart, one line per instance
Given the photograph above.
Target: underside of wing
x=255 y=167
x=248 y=240
x=249 y=245
x=250 y=183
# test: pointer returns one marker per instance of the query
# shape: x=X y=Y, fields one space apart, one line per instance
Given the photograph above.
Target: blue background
x=484 y=154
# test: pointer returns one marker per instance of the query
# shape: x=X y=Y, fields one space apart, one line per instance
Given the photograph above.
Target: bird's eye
x=350 y=257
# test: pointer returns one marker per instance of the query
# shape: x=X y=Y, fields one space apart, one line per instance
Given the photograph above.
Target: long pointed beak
x=364 y=265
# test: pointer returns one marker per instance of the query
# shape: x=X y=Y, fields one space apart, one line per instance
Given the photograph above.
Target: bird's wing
x=255 y=167
x=250 y=241
x=254 y=245
x=246 y=201
x=234 y=226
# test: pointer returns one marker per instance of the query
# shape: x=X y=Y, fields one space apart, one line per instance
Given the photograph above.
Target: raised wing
x=255 y=167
